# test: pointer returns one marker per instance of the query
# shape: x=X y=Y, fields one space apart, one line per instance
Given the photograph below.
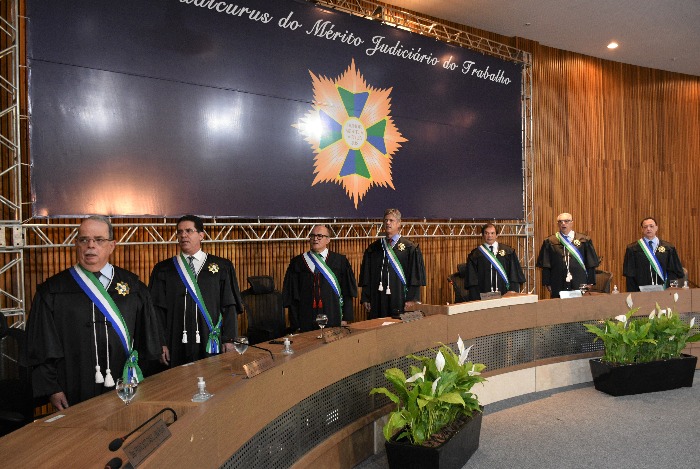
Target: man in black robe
x=638 y=268
x=187 y=330
x=384 y=293
x=483 y=276
x=308 y=291
x=70 y=342
x=567 y=268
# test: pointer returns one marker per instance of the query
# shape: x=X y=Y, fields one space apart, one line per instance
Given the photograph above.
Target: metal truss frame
x=17 y=236
x=11 y=252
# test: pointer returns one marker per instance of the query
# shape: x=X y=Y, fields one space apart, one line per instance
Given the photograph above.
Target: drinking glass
x=674 y=284
x=126 y=389
x=321 y=320
x=241 y=345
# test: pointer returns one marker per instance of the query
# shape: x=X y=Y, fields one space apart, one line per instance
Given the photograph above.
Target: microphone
x=117 y=443
x=254 y=346
x=114 y=463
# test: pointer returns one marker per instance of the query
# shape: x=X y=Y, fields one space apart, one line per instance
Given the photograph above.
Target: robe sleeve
x=44 y=349
x=349 y=289
x=544 y=262
x=366 y=275
x=290 y=295
x=674 y=267
x=471 y=280
x=417 y=275
x=592 y=261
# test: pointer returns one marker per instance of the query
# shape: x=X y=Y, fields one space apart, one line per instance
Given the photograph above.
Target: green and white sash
x=97 y=293
x=496 y=263
x=189 y=278
x=653 y=260
x=315 y=261
x=394 y=262
x=572 y=249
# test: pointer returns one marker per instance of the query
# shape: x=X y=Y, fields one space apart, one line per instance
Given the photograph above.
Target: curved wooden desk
x=314 y=406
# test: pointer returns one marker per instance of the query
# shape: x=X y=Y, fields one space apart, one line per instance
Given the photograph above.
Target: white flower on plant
x=463 y=353
x=418 y=375
x=672 y=337
x=692 y=323
x=435 y=385
x=473 y=371
x=662 y=312
x=652 y=315
x=675 y=297
x=440 y=361
x=629 y=301
x=622 y=318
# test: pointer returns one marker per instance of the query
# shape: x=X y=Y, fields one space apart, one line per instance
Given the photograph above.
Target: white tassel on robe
x=109 y=381
x=99 y=379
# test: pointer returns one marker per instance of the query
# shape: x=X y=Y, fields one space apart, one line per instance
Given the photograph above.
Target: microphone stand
x=117 y=443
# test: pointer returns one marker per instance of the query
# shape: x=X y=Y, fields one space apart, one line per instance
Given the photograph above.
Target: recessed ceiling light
x=613 y=45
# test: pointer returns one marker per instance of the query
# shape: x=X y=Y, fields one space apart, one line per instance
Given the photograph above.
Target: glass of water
x=126 y=389
x=241 y=345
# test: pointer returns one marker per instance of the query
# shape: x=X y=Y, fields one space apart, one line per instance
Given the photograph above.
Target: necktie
x=491 y=248
x=651 y=246
x=190 y=260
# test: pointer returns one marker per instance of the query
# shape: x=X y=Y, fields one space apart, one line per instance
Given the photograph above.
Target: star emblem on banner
x=351 y=131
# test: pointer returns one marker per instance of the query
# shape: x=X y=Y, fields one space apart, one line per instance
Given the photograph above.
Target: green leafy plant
x=661 y=335
x=434 y=396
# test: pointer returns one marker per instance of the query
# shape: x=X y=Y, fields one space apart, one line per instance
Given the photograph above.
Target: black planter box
x=453 y=454
x=637 y=378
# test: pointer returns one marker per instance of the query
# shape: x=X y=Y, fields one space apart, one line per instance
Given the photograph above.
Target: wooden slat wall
x=612 y=143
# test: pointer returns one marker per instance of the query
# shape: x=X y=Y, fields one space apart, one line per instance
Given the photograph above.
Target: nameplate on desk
x=566 y=294
x=492 y=295
x=651 y=288
x=147 y=442
x=411 y=316
x=337 y=333
x=256 y=367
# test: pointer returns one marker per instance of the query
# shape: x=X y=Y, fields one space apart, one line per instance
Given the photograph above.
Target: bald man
x=568 y=259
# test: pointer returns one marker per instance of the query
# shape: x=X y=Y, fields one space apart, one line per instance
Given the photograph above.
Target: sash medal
x=395 y=264
x=94 y=289
x=496 y=264
x=190 y=280
x=572 y=250
x=653 y=260
x=315 y=261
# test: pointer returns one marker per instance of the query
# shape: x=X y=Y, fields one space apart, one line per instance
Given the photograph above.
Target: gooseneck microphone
x=117 y=443
x=254 y=346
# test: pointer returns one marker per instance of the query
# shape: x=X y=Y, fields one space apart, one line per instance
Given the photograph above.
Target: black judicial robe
x=374 y=267
x=552 y=260
x=480 y=276
x=638 y=271
x=301 y=286
x=219 y=286
x=61 y=341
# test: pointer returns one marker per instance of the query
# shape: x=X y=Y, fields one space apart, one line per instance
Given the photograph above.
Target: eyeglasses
x=318 y=236
x=189 y=231
x=84 y=241
x=564 y=221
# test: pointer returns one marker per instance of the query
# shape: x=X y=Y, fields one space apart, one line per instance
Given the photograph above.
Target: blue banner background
x=169 y=107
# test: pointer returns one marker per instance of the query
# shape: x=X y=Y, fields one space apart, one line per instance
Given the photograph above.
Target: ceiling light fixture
x=613 y=45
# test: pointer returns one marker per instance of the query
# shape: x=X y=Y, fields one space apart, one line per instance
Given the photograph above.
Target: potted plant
x=437 y=420
x=643 y=354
